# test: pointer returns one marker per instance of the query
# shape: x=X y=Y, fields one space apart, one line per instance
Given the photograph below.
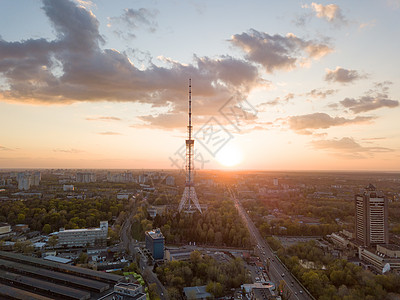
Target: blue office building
x=155 y=243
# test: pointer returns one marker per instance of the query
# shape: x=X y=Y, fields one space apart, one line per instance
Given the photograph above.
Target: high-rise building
x=23 y=181
x=371 y=217
x=27 y=179
x=36 y=177
x=170 y=180
x=85 y=177
x=120 y=177
x=155 y=243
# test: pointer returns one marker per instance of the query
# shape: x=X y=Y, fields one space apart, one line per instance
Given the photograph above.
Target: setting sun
x=229 y=156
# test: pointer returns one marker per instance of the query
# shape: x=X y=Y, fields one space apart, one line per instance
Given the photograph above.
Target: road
x=129 y=245
x=277 y=271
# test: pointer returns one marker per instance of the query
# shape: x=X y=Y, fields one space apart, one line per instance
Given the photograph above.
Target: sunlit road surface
x=277 y=271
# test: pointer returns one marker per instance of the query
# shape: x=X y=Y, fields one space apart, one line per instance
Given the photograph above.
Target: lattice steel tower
x=189 y=202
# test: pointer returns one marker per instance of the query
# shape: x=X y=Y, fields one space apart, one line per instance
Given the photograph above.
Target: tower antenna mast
x=189 y=196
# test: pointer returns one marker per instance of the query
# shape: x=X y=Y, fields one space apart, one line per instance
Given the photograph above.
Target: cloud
x=277 y=100
x=347 y=147
x=375 y=98
x=301 y=123
x=72 y=150
x=374 y=139
x=276 y=52
x=367 y=103
x=343 y=75
x=74 y=68
x=2 y=148
x=301 y=20
x=317 y=93
x=165 y=121
x=367 y=24
x=86 y=4
x=109 y=133
x=331 y=13
x=395 y=4
x=103 y=119
x=132 y=19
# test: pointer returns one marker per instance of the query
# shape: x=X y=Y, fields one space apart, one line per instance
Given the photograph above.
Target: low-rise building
x=178 y=254
x=5 y=228
x=380 y=262
x=155 y=210
x=197 y=292
x=68 y=188
x=339 y=240
x=126 y=291
x=83 y=237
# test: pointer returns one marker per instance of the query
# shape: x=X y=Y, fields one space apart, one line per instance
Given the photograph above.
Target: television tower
x=189 y=201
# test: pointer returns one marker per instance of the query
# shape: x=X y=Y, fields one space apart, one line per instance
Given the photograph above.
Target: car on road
x=301 y=292
x=283 y=274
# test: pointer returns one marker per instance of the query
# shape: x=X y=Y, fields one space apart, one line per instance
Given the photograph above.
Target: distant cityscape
x=127 y=223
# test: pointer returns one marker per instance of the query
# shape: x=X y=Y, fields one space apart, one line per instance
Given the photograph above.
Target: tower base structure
x=189 y=202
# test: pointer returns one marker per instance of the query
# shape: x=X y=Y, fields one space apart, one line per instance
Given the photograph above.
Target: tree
x=153 y=292
x=195 y=257
x=53 y=240
x=173 y=293
x=20 y=218
x=215 y=288
x=46 y=228
x=83 y=258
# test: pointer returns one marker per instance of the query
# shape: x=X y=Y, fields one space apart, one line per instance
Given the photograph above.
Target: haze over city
x=290 y=85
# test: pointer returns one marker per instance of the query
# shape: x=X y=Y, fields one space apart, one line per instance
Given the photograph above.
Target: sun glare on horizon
x=229 y=156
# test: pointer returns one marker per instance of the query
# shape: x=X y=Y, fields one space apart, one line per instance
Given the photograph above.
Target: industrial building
x=83 y=237
x=26 y=277
x=155 y=243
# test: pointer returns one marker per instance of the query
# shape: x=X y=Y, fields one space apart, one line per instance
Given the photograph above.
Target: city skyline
x=293 y=86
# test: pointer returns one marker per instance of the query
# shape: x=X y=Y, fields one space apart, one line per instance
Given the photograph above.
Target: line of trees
x=329 y=278
x=219 y=225
x=50 y=215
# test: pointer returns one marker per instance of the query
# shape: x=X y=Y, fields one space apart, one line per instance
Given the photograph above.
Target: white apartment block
x=83 y=237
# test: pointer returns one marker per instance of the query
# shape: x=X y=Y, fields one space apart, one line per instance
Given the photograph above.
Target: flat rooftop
x=393 y=247
x=155 y=234
x=41 y=263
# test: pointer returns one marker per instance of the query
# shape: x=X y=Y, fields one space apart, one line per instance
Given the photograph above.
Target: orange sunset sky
x=276 y=85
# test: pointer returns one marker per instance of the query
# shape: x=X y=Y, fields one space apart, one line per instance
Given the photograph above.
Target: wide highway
x=277 y=271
